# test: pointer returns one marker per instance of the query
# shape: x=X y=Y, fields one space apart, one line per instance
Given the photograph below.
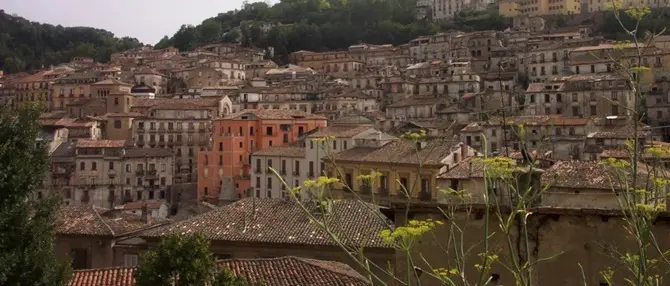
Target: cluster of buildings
x=162 y=141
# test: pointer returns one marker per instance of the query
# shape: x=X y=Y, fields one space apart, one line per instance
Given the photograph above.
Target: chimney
x=146 y=218
x=464 y=151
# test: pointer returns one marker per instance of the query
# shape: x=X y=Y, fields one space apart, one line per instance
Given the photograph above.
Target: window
x=285 y=138
x=240 y=145
x=111 y=165
x=334 y=144
x=575 y=97
x=547 y=99
x=559 y=98
x=128 y=168
x=117 y=124
x=220 y=146
x=251 y=131
x=163 y=181
x=297 y=168
x=116 y=101
x=283 y=166
x=571 y=131
x=575 y=111
x=345 y=144
x=311 y=168
x=82 y=166
x=80 y=258
x=532 y=98
x=269 y=187
x=268 y=130
x=269 y=164
x=94 y=166
x=593 y=110
x=311 y=144
x=258 y=182
x=615 y=109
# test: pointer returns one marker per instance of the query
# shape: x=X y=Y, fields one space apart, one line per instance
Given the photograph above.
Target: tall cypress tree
x=27 y=228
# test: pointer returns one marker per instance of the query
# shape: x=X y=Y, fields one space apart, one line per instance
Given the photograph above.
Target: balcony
x=139 y=173
x=170 y=143
x=365 y=189
x=161 y=143
x=151 y=173
x=152 y=143
x=383 y=191
x=425 y=196
x=141 y=130
x=66 y=171
x=296 y=173
x=310 y=174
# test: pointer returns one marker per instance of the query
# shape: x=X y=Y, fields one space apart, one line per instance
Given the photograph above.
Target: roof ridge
x=103 y=221
x=104 y=268
x=316 y=263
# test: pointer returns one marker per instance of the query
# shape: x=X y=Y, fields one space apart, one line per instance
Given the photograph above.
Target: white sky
x=146 y=20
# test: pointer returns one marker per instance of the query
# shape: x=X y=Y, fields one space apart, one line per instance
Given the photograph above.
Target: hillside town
x=160 y=141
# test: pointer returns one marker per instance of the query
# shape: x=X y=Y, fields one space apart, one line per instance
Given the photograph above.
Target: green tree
x=27 y=229
x=187 y=257
x=163 y=43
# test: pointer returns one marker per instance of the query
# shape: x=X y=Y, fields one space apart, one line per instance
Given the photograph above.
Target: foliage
x=657 y=20
x=321 y=25
x=27 y=229
x=26 y=45
x=184 y=260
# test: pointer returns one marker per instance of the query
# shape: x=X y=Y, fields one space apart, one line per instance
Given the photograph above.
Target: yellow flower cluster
x=498 y=167
x=405 y=237
x=444 y=273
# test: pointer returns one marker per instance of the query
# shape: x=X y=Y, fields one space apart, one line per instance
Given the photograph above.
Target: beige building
x=515 y=8
x=66 y=90
x=107 y=173
x=180 y=125
x=595 y=95
x=288 y=161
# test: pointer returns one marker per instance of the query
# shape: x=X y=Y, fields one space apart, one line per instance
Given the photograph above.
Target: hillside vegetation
x=323 y=25
x=26 y=45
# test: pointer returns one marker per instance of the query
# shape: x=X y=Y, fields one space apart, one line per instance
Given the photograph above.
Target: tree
x=184 y=260
x=27 y=229
x=163 y=43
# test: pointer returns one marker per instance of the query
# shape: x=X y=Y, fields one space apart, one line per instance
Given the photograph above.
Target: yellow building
x=402 y=167
x=512 y=8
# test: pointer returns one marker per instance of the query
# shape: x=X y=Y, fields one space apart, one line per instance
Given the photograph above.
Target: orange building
x=225 y=167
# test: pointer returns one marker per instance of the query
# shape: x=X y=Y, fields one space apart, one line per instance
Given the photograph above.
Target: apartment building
x=67 y=89
x=564 y=137
x=514 y=8
x=596 y=95
x=150 y=77
x=181 y=125
x=398 y=163
x=288 y=161
x=142 y=55
x=318 y=61
x=225 y=167
x=106 y=173
x=36 y=88
x=436 y=47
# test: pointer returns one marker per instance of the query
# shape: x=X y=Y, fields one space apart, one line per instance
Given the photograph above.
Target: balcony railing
x=139 y=173
x=151 y=173
x=365 y=189
x=383 y=191
x=425 y=196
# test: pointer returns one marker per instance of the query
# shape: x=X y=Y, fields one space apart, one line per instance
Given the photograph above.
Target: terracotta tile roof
x=145 y=102
x=81 y=220
x=584 y=175
x=111 y=82
x=339 y=131
x=276 y=221
x=281 y=151
x=280 y=271
x=92 y=143
x=466 y=169
x=417 y=100
x=400 y=152
x=91 y=220
x=290 y=271
x=138 y=205
x=276 y=114
x=116 y=276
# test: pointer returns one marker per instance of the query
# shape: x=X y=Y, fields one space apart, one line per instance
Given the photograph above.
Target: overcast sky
x=147 y=20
